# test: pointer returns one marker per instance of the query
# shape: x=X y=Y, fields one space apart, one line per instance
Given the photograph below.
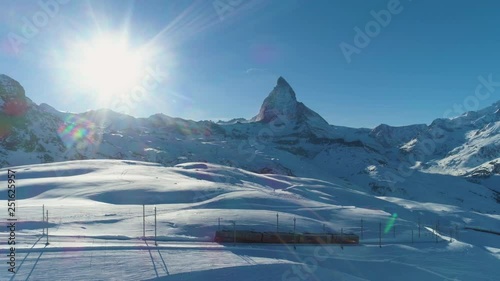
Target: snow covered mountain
x=285 y=137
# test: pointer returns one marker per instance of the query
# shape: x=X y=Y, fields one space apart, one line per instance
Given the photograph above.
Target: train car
x=225 y=236
x=278 y=238
x=222 y=236
x=241 y=236
x=248 y=237
x=314 y=238
x=345 y=239
x=350 y=239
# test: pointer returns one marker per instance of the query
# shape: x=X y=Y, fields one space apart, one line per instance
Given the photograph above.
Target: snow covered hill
x=95 y=226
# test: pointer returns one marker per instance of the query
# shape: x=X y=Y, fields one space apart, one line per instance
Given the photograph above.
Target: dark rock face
x=10 y=88
x=12 y=97
x=280 y=103
x=282 y=106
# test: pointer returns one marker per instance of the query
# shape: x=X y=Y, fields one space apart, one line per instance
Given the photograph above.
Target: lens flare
x=15 y=107
x=390 y=223
x=12 y=114
x=76 y=130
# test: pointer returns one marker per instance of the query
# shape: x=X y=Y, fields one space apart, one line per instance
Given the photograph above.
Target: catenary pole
x=294 y=223
x=277 y=222
x=156 y=241
x=380 y=235
x=47 y=243
x=234 y=232
x=43 y=218
x=361 y=228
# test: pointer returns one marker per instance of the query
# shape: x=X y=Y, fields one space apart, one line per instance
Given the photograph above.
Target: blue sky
x=220 y=59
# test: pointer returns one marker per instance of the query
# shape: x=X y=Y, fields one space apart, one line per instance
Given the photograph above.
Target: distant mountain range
x=285 y=137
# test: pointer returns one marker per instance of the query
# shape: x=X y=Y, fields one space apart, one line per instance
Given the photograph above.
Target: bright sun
x=108 y=66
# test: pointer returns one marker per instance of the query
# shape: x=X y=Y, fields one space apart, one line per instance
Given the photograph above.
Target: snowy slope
x=95 y=223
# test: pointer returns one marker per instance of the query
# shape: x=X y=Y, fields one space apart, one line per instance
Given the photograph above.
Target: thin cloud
x=256 y=70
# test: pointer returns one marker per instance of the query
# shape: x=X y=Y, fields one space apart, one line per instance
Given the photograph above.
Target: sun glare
x=108 y=66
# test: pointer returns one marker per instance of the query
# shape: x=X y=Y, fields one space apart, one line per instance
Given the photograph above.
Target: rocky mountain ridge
x=285 y=137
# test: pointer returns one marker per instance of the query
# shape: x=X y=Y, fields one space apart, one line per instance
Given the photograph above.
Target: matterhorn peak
x=282 y=82
x=282 y=104
x=283 y=88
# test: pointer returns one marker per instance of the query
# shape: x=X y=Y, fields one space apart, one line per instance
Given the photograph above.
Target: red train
x=242 y=236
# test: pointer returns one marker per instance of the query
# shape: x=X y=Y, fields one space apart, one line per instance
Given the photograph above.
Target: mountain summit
x=10 y=88
x=13 y=101
x=282 y=104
